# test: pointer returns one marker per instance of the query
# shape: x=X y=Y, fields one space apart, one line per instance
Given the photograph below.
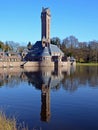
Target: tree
x=1 y=45
x=21 y=49
x=71 y=42
x=13 y=45
x=93 y=50
x=82 y=52
x=7 y=47
x=69 y=45
x=29 y=45
x=56 y=41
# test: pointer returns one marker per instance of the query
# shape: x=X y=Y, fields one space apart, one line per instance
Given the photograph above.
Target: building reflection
x=44 y=79
x=10 y=76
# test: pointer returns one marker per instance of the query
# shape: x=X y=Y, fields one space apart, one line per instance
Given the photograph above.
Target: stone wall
x=30 y=64
x=35 y=64
x=46 y=64
x=18 y=64
x=10 y=64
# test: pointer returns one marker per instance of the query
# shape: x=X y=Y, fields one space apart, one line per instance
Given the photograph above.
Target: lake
x=48 y=99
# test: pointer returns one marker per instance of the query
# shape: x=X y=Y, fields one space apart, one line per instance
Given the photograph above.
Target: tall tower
x=45 y=26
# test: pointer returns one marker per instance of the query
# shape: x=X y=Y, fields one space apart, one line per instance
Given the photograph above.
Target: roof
x=37 y=45
x=38 y=50
x=55 y=49
x=45 y=52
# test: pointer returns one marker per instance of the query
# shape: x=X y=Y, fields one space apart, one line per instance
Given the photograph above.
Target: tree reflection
x=10 y=77
x=83 y=76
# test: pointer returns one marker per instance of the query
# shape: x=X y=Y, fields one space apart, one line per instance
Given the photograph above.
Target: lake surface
x=48 y=99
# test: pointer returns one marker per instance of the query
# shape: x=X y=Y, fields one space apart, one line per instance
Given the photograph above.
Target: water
x=48 y=99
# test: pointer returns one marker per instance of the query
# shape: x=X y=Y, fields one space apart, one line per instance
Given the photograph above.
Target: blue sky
x=20 y=19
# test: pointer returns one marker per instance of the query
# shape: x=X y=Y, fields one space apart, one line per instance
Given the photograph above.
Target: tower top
x=46 y=10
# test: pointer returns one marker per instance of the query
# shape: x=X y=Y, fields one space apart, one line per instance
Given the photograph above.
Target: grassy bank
x=88 y=64
x=8 y=124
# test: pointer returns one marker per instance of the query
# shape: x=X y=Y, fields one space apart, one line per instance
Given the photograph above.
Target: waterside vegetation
x=87 y=64
x=9 y=124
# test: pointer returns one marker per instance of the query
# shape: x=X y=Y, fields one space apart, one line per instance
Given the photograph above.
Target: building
x=9 y=56
x=43 y=50
x=45 y=80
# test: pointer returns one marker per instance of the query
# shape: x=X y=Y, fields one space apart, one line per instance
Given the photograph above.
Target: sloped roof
x=37 y=45
x=55 y=48
x=45 y=52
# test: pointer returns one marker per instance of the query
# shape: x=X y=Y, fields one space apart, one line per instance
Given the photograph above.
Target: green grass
x=88 y=64
x=9 y=124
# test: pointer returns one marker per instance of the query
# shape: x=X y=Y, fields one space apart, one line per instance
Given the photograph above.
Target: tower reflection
x=46 y=79
x=45 y=103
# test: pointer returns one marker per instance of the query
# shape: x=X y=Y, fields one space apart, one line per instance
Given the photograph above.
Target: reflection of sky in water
x=63 y=98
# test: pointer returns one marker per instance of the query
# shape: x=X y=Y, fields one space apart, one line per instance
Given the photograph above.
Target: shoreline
x=36 y=64
x=87 y=64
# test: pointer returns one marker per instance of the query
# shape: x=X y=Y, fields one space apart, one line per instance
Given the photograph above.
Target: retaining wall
x=35 y=64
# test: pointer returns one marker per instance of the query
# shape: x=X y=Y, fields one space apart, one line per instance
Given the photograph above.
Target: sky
x=20 y=20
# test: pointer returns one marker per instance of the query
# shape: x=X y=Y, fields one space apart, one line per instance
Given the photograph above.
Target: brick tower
x=45 y=26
